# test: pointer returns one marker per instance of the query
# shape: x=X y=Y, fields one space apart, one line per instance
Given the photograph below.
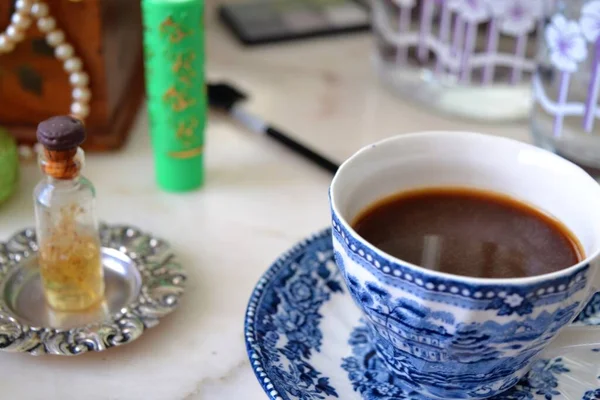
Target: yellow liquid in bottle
x=71 y=269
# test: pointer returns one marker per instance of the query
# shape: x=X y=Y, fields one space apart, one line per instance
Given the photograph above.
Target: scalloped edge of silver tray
x=156 y=282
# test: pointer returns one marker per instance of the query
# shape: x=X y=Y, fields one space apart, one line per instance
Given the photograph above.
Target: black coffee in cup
x=469 y=232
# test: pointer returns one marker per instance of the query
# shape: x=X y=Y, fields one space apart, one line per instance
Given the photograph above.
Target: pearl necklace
x=25 y=11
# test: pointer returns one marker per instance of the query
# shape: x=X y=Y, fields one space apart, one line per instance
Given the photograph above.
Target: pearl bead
x=82 y=94
x=6 y=44
x=73 y=64
x=21 y=21
x=25 y=152
x=81 y=110
x=55 y=38
x=64 y=51
x=38 y=148
x=15 y=34
x=25 y=12
x=46 y=24
x=79 y=79
x=23 y=5
x=40 y=10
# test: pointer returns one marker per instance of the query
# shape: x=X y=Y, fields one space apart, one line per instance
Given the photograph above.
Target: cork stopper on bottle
x=61 y=137
x=61 y=133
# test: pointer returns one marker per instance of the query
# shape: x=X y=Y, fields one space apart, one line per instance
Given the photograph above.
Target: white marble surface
x=258 y=200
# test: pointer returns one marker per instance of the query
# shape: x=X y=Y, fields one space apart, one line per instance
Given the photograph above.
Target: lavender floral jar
x=567 y=84
x=472 y=58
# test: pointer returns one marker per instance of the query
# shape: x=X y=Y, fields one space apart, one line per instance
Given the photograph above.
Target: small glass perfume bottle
x=66 y=225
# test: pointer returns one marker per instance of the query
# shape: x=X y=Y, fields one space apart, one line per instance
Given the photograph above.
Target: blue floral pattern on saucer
x=306 y=341
x=592 y=395
x=300 y=282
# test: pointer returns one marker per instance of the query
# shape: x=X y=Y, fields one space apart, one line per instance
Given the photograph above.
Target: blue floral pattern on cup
x=374 y=381
x=408 y=334
x=449 y=337
x=519 y=300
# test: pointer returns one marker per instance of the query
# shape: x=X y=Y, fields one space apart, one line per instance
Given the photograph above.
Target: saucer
x=306 y=340
x=143 y=282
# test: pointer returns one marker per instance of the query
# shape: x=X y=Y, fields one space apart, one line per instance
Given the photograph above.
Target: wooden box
x=107 y=36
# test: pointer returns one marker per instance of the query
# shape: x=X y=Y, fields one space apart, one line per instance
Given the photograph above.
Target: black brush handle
x=302 y=150
x=224 y=96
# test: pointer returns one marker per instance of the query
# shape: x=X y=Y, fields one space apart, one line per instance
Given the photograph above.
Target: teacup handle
x=574 y=337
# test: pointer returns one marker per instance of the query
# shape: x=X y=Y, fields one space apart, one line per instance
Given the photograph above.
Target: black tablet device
x=267 y=21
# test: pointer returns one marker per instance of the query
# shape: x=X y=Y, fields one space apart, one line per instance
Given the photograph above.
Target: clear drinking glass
x=567 y=83
x=472 y=58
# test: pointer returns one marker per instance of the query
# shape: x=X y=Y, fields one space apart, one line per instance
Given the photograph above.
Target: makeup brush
x=225 y=97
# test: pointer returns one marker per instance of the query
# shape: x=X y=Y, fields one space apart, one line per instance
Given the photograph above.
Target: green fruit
x=9 y=165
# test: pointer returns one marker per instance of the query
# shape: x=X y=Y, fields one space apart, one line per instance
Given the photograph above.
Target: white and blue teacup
x=456 y=337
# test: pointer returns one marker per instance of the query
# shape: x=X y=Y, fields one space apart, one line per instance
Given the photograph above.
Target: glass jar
x=470 y=58
x=567 y=84
x=68 y=238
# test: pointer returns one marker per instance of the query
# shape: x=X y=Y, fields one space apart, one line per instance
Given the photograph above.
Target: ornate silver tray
x=144 y=282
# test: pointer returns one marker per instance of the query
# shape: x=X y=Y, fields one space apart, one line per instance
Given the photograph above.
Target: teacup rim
x=444 y=275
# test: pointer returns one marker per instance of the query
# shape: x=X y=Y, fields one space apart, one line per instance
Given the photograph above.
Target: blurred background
x=320 y=78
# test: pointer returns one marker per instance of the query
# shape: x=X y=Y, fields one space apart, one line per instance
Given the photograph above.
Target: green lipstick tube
x=174 y=64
